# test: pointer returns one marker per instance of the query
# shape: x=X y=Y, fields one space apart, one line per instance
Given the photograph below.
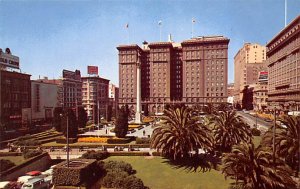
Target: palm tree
x=228 y=130
x=209 y=109
x=180 y=133
x=287 y=139
x=253 y=168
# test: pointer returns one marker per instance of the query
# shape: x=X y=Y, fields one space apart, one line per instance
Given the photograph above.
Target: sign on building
x=9 y=60
x=93 y=70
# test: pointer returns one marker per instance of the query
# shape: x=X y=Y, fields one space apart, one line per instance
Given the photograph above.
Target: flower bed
x=134 y=126
x=93 y=139
x=148 y=119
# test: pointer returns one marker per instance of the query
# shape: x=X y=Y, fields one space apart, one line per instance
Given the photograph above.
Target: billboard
x=9 y=60
x=263 y=76
x=93 y=70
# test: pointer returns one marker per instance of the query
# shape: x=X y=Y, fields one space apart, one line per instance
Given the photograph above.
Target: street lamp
x=274 y=130
x=67 y=139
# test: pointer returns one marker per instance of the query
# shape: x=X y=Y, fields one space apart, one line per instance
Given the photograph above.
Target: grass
x=159 y=175
x=256 y=140
x=15 y=159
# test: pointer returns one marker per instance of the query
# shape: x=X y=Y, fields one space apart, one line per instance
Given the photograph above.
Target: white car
x=4 y=184
x=24 y=179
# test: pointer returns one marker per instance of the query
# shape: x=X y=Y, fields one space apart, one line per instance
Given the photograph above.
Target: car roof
x=33 y=180
x=4 y=183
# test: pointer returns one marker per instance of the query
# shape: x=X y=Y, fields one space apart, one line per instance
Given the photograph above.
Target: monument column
x=138 y=114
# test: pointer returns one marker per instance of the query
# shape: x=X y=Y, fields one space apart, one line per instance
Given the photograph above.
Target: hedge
x=31 y=153
x=6 y=164
x=119 y=140
x=64 y=140
x=135 y=153
x=80 y=170
x=10 y=154
x=156 y=154
x=142 y=140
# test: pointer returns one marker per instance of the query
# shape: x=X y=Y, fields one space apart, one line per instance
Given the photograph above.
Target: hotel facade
x=191 y=72
x=283 y=58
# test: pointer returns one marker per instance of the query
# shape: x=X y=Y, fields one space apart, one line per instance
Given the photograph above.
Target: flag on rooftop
x=160 y=22
x=127 y=25
x=193 y=20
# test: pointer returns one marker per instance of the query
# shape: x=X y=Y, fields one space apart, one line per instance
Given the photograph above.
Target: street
x=252 y=120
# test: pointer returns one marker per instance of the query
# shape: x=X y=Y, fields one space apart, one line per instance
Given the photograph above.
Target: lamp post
x=274 y=130
x=67 y=139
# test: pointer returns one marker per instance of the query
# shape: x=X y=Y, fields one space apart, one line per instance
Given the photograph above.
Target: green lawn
x=159 y=175
x=256 y=140
x=15 y=159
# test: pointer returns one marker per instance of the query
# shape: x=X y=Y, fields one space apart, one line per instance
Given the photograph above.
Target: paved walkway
x=146 y=131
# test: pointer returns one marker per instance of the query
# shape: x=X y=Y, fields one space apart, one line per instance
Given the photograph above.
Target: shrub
x=118 y=140
x=255 y=132
x=134 y=153
x=120 y=175
x=142 y=140
x=27 y=140
x=132 y=182
x=98 y=155
x=31 y=153
x=118 y=166
x=6 y=164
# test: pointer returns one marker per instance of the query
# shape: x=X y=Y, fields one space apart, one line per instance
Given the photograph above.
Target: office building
x=44 y=98
x=95 y=97
x=15 y=91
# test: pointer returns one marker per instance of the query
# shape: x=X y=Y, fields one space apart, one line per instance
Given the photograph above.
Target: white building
x=44 y=98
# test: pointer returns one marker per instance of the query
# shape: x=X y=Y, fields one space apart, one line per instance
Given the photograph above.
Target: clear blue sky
x=50 y=36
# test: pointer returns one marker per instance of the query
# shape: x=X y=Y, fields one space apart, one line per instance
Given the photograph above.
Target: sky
x=49 y=36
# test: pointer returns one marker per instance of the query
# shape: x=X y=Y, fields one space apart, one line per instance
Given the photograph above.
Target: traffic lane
x=253 y=118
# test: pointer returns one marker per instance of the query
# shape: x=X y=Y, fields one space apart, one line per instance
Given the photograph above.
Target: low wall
x=38 y=163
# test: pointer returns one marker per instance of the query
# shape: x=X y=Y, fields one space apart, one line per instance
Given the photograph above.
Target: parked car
x=24 y=179
x=36 y=183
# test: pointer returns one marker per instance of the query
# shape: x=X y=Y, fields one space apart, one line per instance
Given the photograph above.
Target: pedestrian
x=144 y=132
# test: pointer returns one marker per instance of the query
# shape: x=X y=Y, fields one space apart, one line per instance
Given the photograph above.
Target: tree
x=57 y=118
x=69 y=115
x=223 y=107
x=109 y=113
x=247 y=100
x=229 y=130
x=287 y=139
x=82 y=117
x=180 y=133
x=253 y=168
x=121 y=127
x=209 y=109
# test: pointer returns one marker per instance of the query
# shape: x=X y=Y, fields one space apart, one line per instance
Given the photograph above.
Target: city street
x=252 y=120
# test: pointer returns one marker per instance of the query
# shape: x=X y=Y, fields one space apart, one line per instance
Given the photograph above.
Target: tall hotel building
x=191 y=72
x=283 y=60
x=248 y=62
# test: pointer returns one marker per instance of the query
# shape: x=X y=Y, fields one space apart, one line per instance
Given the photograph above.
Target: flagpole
x=127 y=28
x=193 y=22
x=285 y=12
x=160 y=23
